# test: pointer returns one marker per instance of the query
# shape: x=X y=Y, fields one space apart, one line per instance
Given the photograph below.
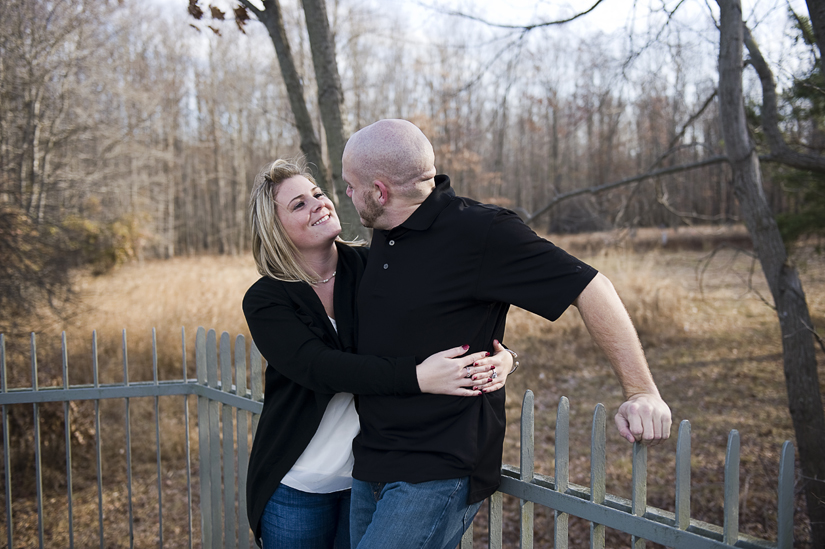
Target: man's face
x=363 y=198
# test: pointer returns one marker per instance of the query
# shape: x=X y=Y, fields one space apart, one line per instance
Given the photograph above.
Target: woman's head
x=289 y=216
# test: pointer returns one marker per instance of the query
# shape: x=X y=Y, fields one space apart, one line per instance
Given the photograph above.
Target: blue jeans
x=402 y=515
x=299 y=520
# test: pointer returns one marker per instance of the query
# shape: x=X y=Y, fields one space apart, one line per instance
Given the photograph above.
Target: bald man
x=443 y=271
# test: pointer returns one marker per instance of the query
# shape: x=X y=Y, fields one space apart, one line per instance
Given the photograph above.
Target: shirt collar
x=428 y=211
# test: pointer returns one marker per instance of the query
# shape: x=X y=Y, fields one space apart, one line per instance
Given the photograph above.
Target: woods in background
x=131 y=130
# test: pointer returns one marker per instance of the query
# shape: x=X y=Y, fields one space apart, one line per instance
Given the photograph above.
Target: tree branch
x=515 y=27
x=780 y=151
x=607 y=186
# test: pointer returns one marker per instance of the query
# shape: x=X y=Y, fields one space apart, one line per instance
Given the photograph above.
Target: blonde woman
x=301 y=314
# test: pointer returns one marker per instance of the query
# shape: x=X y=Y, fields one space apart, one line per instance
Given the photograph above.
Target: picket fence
x=227 y=417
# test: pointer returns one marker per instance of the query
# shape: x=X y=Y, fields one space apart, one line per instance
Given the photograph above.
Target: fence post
x=562 y=470
x=639 y=497
x=683 y=476
x=526 y=468
x=204 y=457
x=731 y=527
x=6 y=446
x=229 y=516
x=784 y=504
x=243 y=441
x=598 y=472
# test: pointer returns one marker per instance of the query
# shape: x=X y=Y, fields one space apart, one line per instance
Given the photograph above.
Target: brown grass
x=713 y=346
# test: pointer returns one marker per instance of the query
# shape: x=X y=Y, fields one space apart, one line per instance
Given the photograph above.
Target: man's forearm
x=610 y=327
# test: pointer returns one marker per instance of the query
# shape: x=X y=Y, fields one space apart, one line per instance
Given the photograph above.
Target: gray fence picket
x=6 y=446
x=228 y=424
x=598 y=472
x=38 y=470
x=67 y=424
x=256 y=368
x=128 y=444
x=495 y=512
x=186 y=448
x=526 y=470
x=562 y=470
x=98 y=448
x=639 y=497
x=214 y=438
x=157 y=438
x=204 y=457
x=683 y=476
x=784 y=504
x=242 y=417
x=731 y=526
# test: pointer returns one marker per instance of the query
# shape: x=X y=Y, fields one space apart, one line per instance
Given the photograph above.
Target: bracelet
x=515 y=362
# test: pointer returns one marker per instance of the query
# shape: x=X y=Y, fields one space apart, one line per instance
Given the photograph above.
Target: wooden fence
x=227 y=416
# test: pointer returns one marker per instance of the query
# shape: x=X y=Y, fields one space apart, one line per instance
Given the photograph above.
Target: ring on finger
x=468 y=371
x=495 y=375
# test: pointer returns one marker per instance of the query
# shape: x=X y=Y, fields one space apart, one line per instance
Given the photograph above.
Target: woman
x=301 y=315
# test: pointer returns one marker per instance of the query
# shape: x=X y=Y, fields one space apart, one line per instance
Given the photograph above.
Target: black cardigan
x=308 y=362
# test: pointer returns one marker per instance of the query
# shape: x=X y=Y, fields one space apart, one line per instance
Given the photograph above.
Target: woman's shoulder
x=267 y=290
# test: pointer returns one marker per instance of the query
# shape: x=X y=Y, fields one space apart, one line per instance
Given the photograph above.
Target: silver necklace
x=330 y=278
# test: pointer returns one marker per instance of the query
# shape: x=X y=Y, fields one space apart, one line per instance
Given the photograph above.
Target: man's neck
x=400 y=212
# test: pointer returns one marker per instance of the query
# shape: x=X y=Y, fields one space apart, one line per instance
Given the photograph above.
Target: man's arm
x=644 y=416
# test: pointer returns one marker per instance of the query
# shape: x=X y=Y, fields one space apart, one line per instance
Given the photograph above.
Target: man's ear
x=383 y=192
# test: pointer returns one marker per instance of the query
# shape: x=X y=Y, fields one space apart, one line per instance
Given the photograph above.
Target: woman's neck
x=321 y=262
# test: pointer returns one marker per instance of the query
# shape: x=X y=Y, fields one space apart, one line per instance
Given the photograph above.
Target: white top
x=326 y=464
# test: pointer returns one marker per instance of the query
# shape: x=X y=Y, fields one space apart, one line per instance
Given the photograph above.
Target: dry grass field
x=712 y=343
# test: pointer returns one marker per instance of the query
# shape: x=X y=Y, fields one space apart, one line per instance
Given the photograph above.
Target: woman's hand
x=449 y=373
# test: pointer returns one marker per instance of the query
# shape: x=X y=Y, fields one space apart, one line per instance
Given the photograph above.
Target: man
x=442 y=272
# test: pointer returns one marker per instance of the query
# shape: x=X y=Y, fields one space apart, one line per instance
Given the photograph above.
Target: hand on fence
x=644 y=418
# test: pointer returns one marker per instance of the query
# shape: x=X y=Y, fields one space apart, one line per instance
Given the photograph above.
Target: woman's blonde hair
x=276 y=256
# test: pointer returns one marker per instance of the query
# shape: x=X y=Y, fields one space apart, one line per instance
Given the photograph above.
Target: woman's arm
x=442 y=375
x=281 y=330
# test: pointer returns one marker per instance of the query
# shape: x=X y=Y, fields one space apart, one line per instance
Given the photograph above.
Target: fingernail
x=480 y=393
x=475 y=363
x=475 y=388
x=495 y=342
x=465 y=347
x=490 y=380
x=492 y=367
x=486 y=353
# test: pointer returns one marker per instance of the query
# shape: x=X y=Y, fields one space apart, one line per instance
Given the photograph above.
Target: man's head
x=389 y=168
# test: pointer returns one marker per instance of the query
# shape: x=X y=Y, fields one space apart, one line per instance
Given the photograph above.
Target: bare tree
x=798 y=351
x=330 y=94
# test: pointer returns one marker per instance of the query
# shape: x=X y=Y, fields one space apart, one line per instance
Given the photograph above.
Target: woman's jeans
x=299 y=520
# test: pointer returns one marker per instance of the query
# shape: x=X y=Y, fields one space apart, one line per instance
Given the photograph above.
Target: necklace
x=330 y=278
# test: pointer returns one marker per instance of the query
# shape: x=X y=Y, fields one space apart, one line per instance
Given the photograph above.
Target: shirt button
x=392 y=242
x=386 y=265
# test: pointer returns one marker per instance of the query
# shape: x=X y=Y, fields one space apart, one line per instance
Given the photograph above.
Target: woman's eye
x=298 y=206
x=319 y=194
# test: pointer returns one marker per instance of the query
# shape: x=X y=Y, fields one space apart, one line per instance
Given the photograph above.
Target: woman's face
x=306 y=213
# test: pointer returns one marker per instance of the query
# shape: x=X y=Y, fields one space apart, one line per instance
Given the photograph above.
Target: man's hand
x=644 y=418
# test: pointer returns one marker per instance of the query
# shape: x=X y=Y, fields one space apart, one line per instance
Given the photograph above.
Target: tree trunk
x=330 y=99
x=804 y=398
x=816 y=9
x=273 y=20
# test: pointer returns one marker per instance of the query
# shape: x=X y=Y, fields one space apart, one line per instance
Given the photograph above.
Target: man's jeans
x=300 y=520
x=402 y=515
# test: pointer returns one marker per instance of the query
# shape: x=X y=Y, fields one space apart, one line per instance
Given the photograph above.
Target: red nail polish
x=465 y=347
x=492 y=367
x=486 y=354
x=495 y=342
x=490 y=380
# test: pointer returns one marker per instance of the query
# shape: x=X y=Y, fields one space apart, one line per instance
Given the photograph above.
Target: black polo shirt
x=443 y=278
